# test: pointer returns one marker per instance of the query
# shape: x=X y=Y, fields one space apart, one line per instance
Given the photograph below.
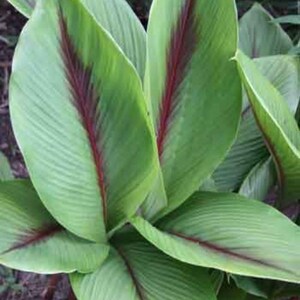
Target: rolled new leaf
x=80 y=122
x=31 y=240
x=230 y=233
x=277 y=124
x=135 y=270
x=193 y=89
x=260 y=36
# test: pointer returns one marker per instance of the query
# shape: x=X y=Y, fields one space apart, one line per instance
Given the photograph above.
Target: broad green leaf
x=192 y=88
x=283 y=71
x=230 y=233
x=118 y=19
x=277 y=124
x=260 y=36
x=249 y=148
x=25 y=7
x=81 y=124
x=5 y=171
x=156 y=200
x=31 y=240
x=260 y=180
x=135 y=270
x=291 y=19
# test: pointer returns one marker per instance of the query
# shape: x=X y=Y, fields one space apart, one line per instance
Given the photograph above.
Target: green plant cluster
x=163 y=164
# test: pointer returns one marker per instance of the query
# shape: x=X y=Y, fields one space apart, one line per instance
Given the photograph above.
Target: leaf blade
x=260 y=36
x=139 y=271
x=179 y=70
x=31 y=240
x=277 y=125
x=111 y=15
x=249 y=148
x=70 y=126
x=224 y=231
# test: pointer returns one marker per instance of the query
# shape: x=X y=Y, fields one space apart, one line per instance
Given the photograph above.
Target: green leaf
x=5 y=171
x=259 y=181
x=249 y=148
x=136 y=270
x=25 y=7
x=118 y=19
x=291 y=19
x=277 y=124
x=283 y=72
x=81 y=124
x=192 y=88
x=31 y=240
x=260 y=36
x=230 y=233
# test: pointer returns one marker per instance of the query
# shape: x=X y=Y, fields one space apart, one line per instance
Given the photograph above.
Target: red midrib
x=36 y=236
x=135 y=281
x=223 y=250
x=271 y=148
x=85 y=100
x=181 y=51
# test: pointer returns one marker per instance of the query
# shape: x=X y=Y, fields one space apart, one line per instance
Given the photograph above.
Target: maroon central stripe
x=85 y=99
x=224 y=251
x=182 y=46
x=270 y=146
x=138 y=287
x=36 y=236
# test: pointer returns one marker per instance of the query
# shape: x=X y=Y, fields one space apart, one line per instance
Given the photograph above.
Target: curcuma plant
x=119 y=130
